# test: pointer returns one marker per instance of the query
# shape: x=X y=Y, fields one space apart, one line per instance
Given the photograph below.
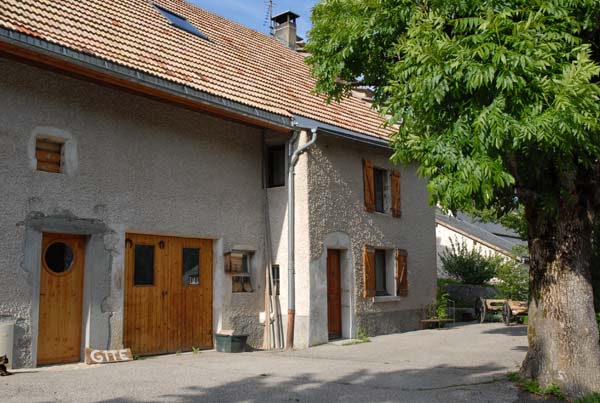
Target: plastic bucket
x=7 y=334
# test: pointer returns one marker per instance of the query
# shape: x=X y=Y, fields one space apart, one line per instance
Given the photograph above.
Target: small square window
x=275 y=166
x=48 y=154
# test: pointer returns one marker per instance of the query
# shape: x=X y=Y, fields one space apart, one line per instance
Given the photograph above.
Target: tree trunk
x=564 y=347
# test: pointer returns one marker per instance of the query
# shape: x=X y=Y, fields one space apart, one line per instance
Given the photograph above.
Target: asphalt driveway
x=466 y=363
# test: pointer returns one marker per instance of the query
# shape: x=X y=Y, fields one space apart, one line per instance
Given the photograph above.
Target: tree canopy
x=494 y=99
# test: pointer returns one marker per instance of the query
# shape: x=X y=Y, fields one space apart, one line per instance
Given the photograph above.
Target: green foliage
x=593 y=398
x=492 y=98
x=514 y=279
x=534 y=387
x=513 y=376
x=362 y=337
x=554 y=390
x=531 y=386
x=195 y=350
x=467 y=265
x=441 y=307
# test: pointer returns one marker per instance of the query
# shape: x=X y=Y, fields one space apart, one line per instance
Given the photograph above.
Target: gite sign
x=107 y=356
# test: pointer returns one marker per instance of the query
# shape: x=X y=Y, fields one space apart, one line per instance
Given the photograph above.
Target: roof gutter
x=307 y=123
x=46 y=53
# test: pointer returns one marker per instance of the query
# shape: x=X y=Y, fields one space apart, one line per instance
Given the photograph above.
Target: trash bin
x=231 y=344
x=7 y=331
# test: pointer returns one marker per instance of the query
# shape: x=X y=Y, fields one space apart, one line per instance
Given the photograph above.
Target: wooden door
x=190 y=294
x=61 y=298
x=171 y=309
x=334 y=294
x=146 y=288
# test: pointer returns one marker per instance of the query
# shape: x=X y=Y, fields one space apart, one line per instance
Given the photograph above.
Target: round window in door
x=58 y=257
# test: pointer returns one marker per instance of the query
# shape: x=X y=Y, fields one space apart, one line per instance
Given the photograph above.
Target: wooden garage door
x=168 y=294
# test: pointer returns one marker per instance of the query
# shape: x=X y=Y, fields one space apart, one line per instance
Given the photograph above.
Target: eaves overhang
x=43 y=52
x=307 y=123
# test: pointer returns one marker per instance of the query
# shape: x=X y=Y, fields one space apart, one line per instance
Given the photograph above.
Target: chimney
x=285 y=29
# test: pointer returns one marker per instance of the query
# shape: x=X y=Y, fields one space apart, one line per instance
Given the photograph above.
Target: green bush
x=514 y=279
x=593 y=398
x=467 y=265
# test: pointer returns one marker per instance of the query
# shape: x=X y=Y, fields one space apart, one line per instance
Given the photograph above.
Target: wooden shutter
x=48 y=155
x=369 y=271
x=396 y=203
x=369 y=185
x=401 y=272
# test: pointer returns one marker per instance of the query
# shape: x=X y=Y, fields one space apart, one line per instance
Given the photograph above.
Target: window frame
x=269 y=165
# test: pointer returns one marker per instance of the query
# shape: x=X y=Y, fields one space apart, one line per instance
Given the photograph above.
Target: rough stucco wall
x=337 y=205
x=142 y=166
x=444 y=238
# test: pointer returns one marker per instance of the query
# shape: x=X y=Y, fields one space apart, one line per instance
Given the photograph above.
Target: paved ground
x=462 y=364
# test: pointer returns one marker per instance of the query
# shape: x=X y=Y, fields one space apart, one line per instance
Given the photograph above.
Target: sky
x=252 y=12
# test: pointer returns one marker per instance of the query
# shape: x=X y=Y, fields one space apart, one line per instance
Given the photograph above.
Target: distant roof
x=235 y=63
x=503 y=238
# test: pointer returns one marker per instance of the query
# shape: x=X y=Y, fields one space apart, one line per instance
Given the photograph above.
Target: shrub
x=513 y=279
x=593 y=398
x=467 y=265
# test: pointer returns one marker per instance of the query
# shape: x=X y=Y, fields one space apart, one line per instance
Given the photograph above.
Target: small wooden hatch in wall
x=238 y=264
x=48 y=154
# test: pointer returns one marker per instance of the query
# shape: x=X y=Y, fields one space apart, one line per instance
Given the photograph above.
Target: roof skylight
x=180 y=22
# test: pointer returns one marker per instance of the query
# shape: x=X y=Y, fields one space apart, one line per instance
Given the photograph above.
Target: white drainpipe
x=291 y=238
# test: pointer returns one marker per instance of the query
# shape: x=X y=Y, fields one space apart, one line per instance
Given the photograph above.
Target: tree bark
x=564 y=345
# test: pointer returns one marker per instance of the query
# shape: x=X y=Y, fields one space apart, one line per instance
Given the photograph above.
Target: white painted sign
x=107 y=356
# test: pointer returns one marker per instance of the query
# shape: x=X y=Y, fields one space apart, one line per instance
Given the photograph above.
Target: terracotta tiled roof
x=236 y=63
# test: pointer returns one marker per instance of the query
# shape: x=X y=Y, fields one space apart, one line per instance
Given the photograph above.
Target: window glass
x=380 y=272
x=275 y=277
x=191 y=266
x=59 y=257
x=180 y=22
x=276 y=166
x=144 y=265
x=380 y=176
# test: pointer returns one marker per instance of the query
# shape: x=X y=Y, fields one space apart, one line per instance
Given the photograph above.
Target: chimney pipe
x=285 y=28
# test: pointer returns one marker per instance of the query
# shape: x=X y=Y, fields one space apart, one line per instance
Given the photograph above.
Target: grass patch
x=533 y=387
x=593 y=398
x=361 y=338
x=195 y=350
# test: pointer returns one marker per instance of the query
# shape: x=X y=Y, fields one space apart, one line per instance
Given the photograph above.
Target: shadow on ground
x=446 y=384
x=514 y=330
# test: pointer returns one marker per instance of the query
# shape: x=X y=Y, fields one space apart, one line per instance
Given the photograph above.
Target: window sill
x=387 y=298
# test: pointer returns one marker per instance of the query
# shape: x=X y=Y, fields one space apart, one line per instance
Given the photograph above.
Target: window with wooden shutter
x=401 y=272
x=369 y=272
x=48 y=154
x=369 y=186
x=396 y=203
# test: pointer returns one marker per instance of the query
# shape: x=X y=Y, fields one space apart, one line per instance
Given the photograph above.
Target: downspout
x=291 y=238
